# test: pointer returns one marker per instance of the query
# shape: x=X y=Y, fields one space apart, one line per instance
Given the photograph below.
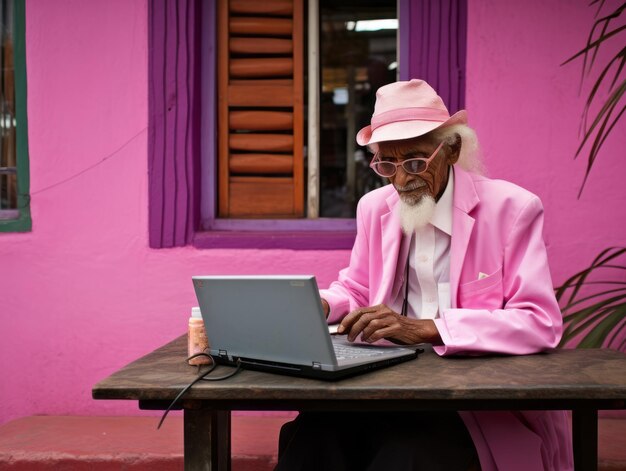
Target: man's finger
x=384 y=333
x=372 y=328
x=370 y=325
x=351 y=318
x=362 y=322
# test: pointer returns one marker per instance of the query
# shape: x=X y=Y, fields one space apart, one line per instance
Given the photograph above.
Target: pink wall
x=526 y=110
x=83 y=294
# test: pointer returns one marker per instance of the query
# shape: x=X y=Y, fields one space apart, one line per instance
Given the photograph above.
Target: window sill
x=295 y=240
x=295 y=234
x=10 y=223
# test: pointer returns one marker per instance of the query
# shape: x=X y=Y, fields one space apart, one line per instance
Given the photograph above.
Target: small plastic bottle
x=197 y=339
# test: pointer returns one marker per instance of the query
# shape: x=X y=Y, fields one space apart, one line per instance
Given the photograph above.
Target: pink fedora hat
x=407 y=109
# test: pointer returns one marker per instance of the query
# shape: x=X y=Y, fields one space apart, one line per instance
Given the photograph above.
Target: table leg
x=585 y=438
x=207 y=440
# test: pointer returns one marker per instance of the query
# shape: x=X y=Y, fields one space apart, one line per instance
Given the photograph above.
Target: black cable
x=200 y=377
x=226 y=376
x=405 y=303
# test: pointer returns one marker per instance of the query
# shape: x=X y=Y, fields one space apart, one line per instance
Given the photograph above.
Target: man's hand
x=380 y=322
x=326 y=307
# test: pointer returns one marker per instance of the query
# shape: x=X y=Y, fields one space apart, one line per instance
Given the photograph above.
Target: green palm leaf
x=600 y=332
x=595 y=318
x=615 y=334
x=577 y=281
x=585 y=320
x=605 y=30
x=598 y=317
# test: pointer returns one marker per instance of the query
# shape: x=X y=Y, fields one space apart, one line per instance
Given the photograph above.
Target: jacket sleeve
x=351 y=290
x=528 y=319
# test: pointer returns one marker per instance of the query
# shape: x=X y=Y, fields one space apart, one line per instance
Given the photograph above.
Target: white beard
x=415 y=216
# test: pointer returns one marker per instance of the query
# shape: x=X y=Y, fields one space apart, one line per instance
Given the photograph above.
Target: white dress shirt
x=429 y=263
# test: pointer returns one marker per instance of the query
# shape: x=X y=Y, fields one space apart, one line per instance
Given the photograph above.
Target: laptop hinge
x=317 y=365
x=224 y=355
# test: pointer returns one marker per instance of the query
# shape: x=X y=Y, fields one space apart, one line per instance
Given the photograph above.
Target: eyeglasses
x=387 y=169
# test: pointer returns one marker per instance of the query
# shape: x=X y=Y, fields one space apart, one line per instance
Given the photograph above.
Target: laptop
x=277 y=324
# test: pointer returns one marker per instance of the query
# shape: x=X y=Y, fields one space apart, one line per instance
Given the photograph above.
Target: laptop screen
x=270 y=318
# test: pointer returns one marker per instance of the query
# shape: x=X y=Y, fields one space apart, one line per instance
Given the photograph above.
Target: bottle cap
x=195 y=312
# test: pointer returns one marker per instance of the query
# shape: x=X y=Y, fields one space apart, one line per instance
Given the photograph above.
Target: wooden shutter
x=260 y=117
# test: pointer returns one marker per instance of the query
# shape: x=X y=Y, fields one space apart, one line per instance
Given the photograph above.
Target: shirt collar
x=442 y=217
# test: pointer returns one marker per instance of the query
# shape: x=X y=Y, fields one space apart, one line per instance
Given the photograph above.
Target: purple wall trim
x=290 y=225
x=436 y=46
x=404 y=54
x=173 y=156
x=302 y=240
x=209 y=112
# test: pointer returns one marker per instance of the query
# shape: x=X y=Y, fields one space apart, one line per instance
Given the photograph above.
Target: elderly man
x=448 y=257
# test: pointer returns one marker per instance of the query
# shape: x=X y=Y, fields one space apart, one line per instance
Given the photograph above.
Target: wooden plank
x=260 y=95
x=600 y=377
x=261 y=197
x=258 y=25
x=261 y=120
x=263 y=82
x=199 y=430
x=298 y=107
x=264 y=7
x=313 y=134
x=261 y=142
x=260 y=46
x=253 y=164
x=224 y=98
x=261 y=67
x=585 y=438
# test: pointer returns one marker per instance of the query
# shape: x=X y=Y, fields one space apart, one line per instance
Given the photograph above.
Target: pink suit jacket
x=496 y=230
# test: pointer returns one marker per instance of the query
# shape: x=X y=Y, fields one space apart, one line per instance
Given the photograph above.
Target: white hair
x=470 y=157
x=413 y=217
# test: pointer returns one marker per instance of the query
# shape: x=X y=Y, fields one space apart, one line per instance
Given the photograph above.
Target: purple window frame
x=182 y=123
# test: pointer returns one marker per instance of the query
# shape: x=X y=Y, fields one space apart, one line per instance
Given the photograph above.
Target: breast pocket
x=485 y=293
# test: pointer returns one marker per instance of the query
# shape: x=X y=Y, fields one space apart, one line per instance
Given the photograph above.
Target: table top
x=558 y=379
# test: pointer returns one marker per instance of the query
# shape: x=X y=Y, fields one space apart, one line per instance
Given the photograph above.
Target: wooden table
x=581 y=380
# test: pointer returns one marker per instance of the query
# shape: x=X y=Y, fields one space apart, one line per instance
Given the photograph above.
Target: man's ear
x=454 y=149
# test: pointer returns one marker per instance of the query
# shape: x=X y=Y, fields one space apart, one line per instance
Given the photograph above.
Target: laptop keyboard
x=347 y=352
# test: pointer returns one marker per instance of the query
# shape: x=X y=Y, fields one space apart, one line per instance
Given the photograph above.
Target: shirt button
x=423 y=258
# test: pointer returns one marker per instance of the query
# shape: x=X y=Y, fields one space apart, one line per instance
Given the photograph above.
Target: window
x=261 y=73
x=191 y=189
x=263 y=62
x=14 y=176
x=357 y=55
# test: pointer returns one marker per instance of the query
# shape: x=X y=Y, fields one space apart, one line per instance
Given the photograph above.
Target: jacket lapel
x=392 y=242
x=464 y=201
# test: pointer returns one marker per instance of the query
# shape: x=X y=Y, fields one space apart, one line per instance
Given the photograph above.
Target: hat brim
x=400 y=130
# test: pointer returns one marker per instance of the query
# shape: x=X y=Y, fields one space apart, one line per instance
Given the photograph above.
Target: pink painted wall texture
x=82 y=294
